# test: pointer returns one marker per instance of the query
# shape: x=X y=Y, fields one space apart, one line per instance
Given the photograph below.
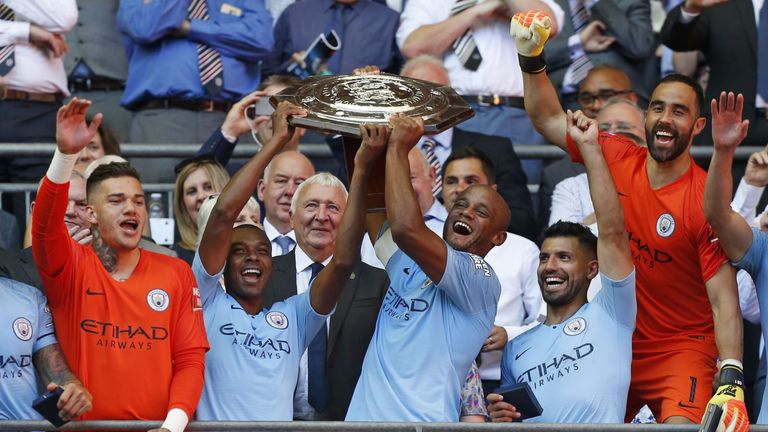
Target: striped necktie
x=581 y=65
x=428 y=146
x=209 y=60
x=7 y=58
x=465 y=46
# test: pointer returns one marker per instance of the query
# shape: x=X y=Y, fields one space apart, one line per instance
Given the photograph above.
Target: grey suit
x=352 y=324
x=97 y=42
x=629 y=21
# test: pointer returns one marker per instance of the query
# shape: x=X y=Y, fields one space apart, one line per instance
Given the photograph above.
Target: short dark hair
x=108 y=171
x=283 y=80
x=690 y=82
x=471 y=152
x=583 y=234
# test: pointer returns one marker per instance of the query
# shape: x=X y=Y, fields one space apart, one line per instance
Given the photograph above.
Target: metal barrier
x=354 y=426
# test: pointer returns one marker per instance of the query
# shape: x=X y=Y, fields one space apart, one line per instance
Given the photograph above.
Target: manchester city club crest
x=665 y=225
x=575 y=326
x=158 y=300
x=22 y=328
x=277 y=320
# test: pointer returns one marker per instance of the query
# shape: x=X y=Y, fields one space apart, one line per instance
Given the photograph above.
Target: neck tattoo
x=106 y=254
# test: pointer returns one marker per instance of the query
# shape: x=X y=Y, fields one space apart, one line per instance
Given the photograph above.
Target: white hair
x=322 y=179
x=205 y=213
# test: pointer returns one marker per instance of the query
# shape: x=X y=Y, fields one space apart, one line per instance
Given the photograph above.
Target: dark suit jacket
x=727 y=35
x=629 y=21
x=19 y=265
x=352 y=324
x=510 y=178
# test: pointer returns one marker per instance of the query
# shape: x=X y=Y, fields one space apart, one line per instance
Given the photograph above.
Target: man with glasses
x=602 y=83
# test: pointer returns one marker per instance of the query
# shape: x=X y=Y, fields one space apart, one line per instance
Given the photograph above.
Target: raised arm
x=612 y=244
x=531 y=30
x=214 y=246
x=329 y=283
x=728 y=131
x=406 y=222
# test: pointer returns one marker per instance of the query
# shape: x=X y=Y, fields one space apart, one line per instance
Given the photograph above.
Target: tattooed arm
x=52 y=370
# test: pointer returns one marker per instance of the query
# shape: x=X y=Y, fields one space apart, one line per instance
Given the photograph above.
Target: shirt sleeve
x=52 y=247
x=385 y=246
x=189 y=346
x=615 y=147
x=711 y=255
x=145 y=22
x=207 y=284
x=417 y=14
x=469 y=282
x=752 y=261
x=56 y=16
x=506 y=367
x=243 y=32
x=566 y=202
x=746 y=199
x=617 y=298
x=46 y=334
x=14 y=32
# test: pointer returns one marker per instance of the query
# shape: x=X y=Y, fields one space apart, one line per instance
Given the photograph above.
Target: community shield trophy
x=338 y=104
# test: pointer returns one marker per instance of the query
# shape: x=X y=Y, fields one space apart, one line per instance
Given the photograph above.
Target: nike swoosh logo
x=89 y=292
x=235 y=307
x=407 y=270
x=519 y=355
x=680 y=404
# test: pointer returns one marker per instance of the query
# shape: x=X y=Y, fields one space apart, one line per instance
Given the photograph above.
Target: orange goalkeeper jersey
x=138 y=346
x=674 y=249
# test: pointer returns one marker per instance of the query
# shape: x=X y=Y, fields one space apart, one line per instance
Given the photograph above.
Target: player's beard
x=679 y=145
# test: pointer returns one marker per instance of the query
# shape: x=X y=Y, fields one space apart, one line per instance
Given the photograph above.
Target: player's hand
x=497 y=340
x=500 y=411
x=730 y=397
x=734 y=417
x=406 y=132
x=298 y=58
x=282 y=130
x=696 y=6
x=366 y=70
x=531 y=31
x=756 y=173
x=374 y=142
x=236 y=123
x=72 y=132
x=74 y=402
x=593 y=37
x=583 y=130
x=728 y=128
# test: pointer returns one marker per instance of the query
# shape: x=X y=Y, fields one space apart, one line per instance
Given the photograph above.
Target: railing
x=354 y=426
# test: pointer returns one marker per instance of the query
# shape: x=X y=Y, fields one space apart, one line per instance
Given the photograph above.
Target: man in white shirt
x=473 y=40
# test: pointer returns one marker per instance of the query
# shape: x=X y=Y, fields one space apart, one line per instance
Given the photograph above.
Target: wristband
x=176 y=420
x=60 y=169
x=532 y=65
x=731 y=373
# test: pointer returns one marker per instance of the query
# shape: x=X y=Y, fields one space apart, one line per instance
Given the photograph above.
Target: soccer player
x=687 y=302
x=441 y=301
x=252 y=368
x=30 y=356
x=745 y=246
x=129 y=320
x=580 y=344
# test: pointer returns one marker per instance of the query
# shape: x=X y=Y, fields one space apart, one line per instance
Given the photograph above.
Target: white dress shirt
x=35 y=70
x=498 y=73
x=435 y=218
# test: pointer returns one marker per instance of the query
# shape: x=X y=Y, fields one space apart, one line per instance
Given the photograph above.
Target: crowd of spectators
x=282 y=295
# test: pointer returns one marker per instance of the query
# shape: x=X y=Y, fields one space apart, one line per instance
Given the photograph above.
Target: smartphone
x=46 y=403
x=521 y=396
x=260 y=108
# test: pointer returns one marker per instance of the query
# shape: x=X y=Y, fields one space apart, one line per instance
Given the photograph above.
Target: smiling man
x=127 y=318
x=441 y=301
x=680 y=265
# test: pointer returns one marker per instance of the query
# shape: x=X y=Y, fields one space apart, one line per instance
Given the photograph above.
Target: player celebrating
x=687 y=303
x=128 y=320
x=590 y=342
x=252 y=368
x=441 y=301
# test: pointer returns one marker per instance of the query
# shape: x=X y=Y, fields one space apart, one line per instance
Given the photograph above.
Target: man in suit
x=735 y=47
x=613 y=32
x=316 y=209
x=511 y=180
